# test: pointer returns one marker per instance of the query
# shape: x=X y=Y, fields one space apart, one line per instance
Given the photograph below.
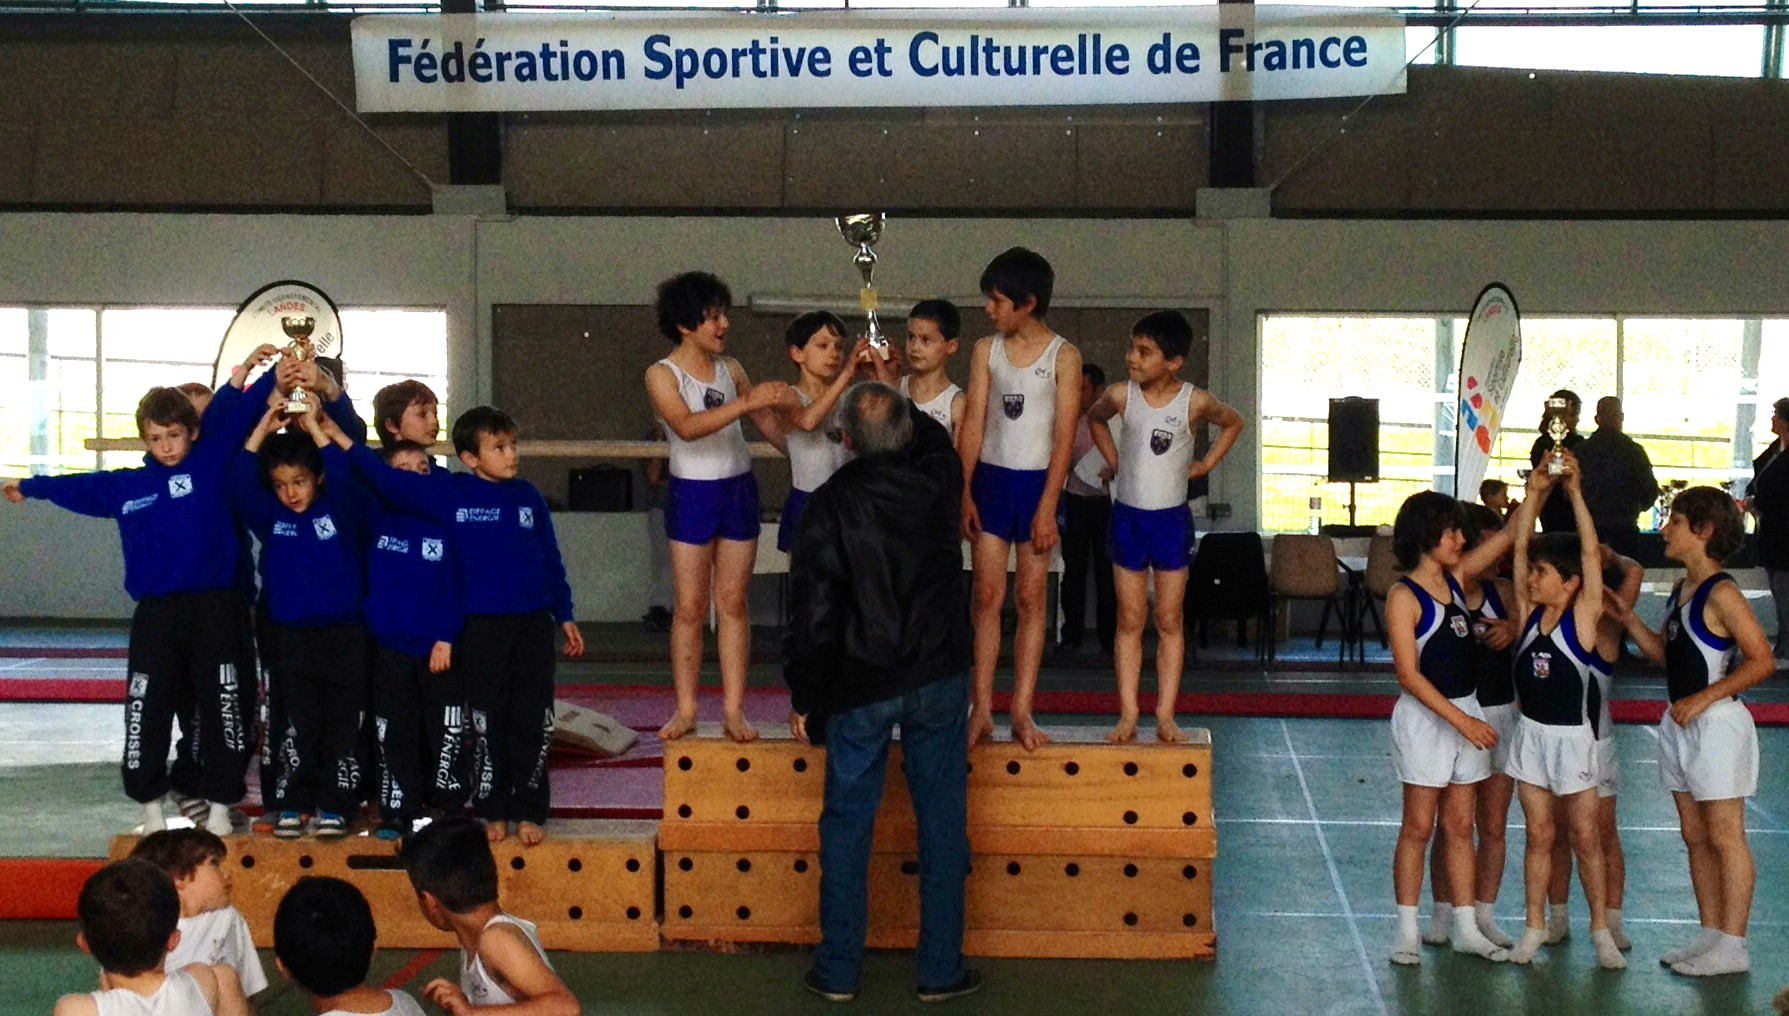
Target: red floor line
x=408 y=971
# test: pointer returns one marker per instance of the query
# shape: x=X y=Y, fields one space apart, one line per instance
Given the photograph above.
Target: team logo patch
x=1045 y=371
x=713 y=399
x=1458 y=624
x=1672 y=630
x=1014 y=405
x=325 y=527
x=139 y=685
x=459 y=515
x=431 y=550
x=180 y=485
x=526 y=517
x=1543 y=665
x=1172 y=421
x=1160 y=441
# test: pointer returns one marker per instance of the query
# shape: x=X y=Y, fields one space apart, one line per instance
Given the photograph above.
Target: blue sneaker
x=289 y=826
x=331 y=826
x=389 y=831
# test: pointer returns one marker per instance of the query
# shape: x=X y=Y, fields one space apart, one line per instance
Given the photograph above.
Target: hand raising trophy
x=862 y=231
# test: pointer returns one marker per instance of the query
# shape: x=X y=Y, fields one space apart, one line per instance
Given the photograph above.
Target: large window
x=68 y=374
x=1689 y=386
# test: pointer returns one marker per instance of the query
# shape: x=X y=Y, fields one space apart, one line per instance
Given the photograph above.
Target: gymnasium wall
x=602 y=269
x=154 y=111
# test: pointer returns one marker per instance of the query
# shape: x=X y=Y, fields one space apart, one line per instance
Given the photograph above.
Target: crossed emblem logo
x=431 y=550
x=526 y=517
x=1160 y=441
x=1013 y=405
x=180 y=485
x=713 y=399
x=325 y=527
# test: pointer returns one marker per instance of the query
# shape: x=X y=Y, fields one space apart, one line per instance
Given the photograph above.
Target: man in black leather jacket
x=880 y=637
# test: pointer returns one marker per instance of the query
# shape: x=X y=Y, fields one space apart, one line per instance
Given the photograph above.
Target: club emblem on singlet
x=1014 y=405
x=1543 y=664
x=1458 y=624
x=324 y=527
x=1160 y=441
x=713 y=399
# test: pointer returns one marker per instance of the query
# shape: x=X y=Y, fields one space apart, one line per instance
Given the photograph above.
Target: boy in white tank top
x=1152 y=528
x=1708 y=744
x=212 y=931
x=932 y=329
x=502 y=962
x=711 y=504
x=128 y=915
x=814 y=439
x=1018 y=432
x=323 y=941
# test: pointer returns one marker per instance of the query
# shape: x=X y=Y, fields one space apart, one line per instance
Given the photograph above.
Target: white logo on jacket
x=526 y=517
x=431 y=550
x=324 y=526
x=180 y=485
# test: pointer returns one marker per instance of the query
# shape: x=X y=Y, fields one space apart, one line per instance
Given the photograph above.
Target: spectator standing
x=1617 y=478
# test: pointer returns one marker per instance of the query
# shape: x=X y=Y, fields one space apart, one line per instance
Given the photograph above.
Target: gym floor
x=1307 y=808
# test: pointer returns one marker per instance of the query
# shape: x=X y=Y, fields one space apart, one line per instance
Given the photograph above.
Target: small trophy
x=1557 y=428
x=298 y=328
x=862 y=231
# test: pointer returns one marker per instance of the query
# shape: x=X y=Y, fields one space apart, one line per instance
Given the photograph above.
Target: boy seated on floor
x=212 y=931
x=323 y=936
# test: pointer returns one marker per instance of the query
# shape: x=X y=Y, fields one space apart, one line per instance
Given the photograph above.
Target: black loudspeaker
x=601 y=489
x=1353 y=440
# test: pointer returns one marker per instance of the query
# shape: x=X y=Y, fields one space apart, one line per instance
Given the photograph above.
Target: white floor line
x=1319 y=914
x=1515 y=823
x=1335 y=877
x=15 y=665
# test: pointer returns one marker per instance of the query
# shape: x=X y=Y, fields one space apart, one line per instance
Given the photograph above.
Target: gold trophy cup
x=1557 y=429
x=862 y=231
x=298 y=328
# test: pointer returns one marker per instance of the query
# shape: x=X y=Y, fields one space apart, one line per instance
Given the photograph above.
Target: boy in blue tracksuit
x=189 y=648
x=419 y=698
x=512 y=589
x=298 y=495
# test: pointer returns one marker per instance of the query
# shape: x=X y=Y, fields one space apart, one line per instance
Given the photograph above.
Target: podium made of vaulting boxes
x=591 y=887
x=1079 y=849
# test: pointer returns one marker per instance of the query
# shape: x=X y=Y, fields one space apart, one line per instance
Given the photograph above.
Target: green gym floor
x=1307 y=809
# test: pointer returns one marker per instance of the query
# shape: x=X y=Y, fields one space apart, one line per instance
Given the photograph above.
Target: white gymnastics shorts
x=1427 y=751
x=1715 y=758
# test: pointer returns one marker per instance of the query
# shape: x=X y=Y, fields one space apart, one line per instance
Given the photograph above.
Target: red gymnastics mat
x=645 y=707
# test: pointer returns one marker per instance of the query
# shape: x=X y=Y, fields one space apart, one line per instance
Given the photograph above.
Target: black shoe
x=968 y=984
x=812 y=983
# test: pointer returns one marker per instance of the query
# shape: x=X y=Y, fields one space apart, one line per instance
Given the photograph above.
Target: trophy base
x=296 y=408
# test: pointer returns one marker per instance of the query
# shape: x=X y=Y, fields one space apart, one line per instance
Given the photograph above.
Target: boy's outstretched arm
x=91 y=494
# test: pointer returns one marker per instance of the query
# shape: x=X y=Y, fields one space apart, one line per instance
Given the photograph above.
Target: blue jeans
x=934 y=741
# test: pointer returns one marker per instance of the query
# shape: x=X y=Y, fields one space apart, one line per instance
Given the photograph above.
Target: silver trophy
x=1557 y=428
x=862 y=231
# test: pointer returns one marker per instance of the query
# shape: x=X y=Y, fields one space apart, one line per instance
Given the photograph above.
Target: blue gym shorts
x=1142 y=539
x=700 y=511
x=1007 y=499
x=791 y=524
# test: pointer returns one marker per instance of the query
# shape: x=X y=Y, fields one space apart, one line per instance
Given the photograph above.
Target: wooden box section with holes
x=1081 y=848
x=591 y=887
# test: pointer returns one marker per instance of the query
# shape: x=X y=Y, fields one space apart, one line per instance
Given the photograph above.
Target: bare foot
x=496 y=832
x=530 y=834
x=1169 y=732
x=677 y=726
x=1026 y=733
x=981 y=727
x=737 y=729
x=1125 y=732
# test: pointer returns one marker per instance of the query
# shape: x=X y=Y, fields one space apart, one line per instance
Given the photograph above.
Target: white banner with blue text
x=519 y=61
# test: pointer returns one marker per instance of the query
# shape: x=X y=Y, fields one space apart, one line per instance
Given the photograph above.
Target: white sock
x=1441 y=918
x=1559 y=923
x=1729 y=956
x=153 y=819
x=1486 y=916
x=1608 y=955
x=1532 y=940
x=1468 y=939
x=1622 y=942
x=1709 y=938
x=217 y=820
x=1406 y=948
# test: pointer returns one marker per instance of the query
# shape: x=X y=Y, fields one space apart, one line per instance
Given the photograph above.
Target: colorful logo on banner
x=1490 y=355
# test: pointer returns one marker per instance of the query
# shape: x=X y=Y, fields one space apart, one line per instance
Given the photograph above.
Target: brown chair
x=1305 y=568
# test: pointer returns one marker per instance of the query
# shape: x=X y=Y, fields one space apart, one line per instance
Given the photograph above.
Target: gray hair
x=876 y=418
